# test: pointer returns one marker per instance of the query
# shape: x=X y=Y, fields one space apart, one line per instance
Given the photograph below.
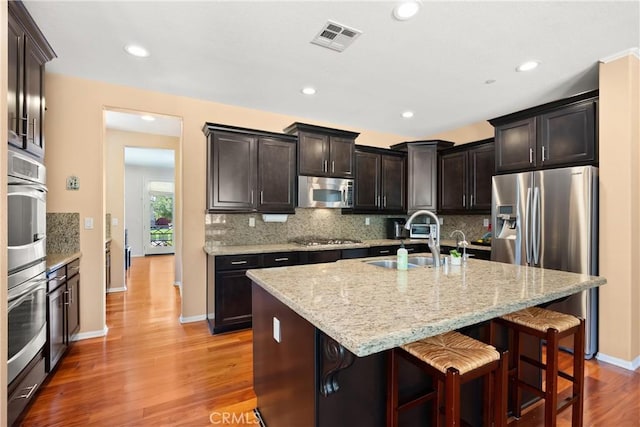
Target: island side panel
x=284 y=372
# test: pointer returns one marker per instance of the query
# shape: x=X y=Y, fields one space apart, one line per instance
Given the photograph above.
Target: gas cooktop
x=317 y=241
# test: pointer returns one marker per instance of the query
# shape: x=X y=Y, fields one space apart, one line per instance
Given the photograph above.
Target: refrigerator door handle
x=536 y=225
x=527 y=233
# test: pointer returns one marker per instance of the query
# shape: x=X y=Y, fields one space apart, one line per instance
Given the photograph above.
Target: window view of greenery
x=162 y=220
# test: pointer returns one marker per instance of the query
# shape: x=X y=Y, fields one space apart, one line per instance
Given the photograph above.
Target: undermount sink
x=387 y=263
x=421 y=260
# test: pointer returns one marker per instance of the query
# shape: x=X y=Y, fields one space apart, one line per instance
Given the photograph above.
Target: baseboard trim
x=91 y=334
x=192 y=319
x=630 y=365
x=113 y=290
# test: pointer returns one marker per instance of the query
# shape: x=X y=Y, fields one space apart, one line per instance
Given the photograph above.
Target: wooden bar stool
x=451 y=359
x=550 y=326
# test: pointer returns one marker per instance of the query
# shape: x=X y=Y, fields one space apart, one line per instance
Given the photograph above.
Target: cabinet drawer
x=56 y=278
x=73 y=268
x=235 y=262
x=279 y=259
x=383 y=250
x=25 y=390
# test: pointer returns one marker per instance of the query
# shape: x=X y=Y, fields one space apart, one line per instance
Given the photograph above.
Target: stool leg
x=501 y=376
x=516 y=393
x=551 y=385
x=392 y=389
x=578 y=376
x=452 y=398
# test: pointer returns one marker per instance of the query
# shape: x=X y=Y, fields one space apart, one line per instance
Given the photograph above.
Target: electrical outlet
x=252 y=222
x=114 y=222
x=367 y=221
x=485 y=222
x=441 y=220
x=276 y=329
x=73 y=183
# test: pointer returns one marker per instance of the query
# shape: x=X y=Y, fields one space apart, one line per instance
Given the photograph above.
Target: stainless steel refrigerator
x=549 y=219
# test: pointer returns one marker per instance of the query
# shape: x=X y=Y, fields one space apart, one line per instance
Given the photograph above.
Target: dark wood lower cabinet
x=233 y=300
x=22 y=390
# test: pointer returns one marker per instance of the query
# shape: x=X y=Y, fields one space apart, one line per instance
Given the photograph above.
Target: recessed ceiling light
x=136 y=50
x=147 y=118
x=527 y=66
x=406 y=9
x=407 y=114
x=308 y=90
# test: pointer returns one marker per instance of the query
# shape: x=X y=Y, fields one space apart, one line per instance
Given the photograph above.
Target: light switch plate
x=485 y=222
x=367 y=221
x=114 y=222
x=88 y=223
x=276 y=329
x=252 y=222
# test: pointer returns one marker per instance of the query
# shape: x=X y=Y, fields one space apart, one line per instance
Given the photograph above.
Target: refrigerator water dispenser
x=507 y=223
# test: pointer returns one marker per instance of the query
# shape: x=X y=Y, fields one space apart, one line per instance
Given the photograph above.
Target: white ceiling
x=149 y=157
x=258 y=54
x=133 y=122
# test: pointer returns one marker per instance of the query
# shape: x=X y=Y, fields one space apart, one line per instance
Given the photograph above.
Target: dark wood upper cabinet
x=422 y=172
x=380 y=182
x=465 y=178
x=557 y=134
x=324 y=151
x=276 y=175
x=249 y=170
x=28 y=51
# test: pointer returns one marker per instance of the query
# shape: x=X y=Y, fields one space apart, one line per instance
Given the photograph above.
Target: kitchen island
x=321 y=331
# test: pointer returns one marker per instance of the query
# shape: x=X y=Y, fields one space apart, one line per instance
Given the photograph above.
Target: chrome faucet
x=434 y=244
x=464 y=243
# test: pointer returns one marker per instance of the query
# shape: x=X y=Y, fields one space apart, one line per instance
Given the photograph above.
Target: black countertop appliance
x=395 y=228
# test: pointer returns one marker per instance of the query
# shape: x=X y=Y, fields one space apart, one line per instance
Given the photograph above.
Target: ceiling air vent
x=335 y=36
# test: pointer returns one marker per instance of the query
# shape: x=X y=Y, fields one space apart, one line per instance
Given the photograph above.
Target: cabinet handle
x=66 y=297
x=251 y=196
x=384 y=201
x=261 y=197
x=281 y=259
x=29 y=391
x=33 y=135
x=530 y=155
x=325 y=166
x=411 y=249
x=333 y=166
x=70 y=295
x=385 y=251
x=377 y=201
x=238 y=262
x=464 y=201
x=543 y=156
x=471 y=201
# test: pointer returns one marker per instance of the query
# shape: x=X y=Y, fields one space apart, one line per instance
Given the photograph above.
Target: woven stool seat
x=542 y=319
x=452 y=350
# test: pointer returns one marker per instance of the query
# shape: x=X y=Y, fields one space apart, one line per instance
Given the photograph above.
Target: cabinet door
x=341 y=157
x=233 y=300
x=567 y=136
x=367 y=187
x=33 y=98
x=313 y=154
x=393 y=183
x=232 y=172
x=276 y=175
x=14 y=83
x=481 y=169
x=56 y=322
x=73 y=306
x=452 y=193
x=422 y=177
x=516 y=146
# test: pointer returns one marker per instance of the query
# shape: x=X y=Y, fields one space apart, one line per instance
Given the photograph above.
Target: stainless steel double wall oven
x=26 y=253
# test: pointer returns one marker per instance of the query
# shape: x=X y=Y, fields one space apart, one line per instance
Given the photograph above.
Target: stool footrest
x=418 y=400
x=533 y=389
x=566 y=402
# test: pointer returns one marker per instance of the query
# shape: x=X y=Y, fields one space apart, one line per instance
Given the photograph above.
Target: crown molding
x=634 y=51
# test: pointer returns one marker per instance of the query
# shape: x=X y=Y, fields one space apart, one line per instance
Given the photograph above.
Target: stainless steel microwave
x=321 y=192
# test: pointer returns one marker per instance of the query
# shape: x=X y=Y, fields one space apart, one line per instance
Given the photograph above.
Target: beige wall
x=115 y=143
x=469 y=133
x=3 y=209
x=75 y=134
x=620 y=208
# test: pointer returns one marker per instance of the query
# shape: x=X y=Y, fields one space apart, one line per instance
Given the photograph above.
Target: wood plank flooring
x=152 y=371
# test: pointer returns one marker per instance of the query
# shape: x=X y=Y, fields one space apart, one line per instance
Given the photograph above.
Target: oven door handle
x=17 y=299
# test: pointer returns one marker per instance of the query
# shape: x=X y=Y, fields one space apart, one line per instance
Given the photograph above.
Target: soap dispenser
x=402 y=257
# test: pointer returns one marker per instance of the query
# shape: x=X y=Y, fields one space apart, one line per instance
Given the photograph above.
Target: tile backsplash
x=234 y=229
x=63 y=232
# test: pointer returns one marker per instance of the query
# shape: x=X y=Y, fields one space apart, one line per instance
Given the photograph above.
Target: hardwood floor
x=152 y=371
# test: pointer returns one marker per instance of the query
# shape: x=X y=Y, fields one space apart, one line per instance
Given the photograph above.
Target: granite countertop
x=55 y=261
x=369 y=309
x=217 y=250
